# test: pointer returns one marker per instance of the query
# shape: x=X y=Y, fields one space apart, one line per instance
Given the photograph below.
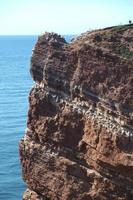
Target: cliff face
x=78 y=144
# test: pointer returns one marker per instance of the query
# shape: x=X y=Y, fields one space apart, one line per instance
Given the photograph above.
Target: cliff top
x=117 y=39
x=98 y=63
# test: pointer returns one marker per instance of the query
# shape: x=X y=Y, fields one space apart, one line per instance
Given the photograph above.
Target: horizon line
x=72 y=34
x=33 y=34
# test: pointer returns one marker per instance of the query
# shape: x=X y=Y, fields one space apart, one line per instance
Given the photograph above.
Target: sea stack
x=78 y=144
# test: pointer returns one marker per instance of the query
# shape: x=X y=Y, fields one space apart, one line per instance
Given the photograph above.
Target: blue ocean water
x=15 y=83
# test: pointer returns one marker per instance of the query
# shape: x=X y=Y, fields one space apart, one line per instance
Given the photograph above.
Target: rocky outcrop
x=78 y=144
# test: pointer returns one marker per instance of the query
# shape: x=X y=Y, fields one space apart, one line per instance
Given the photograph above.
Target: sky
x=34 y=17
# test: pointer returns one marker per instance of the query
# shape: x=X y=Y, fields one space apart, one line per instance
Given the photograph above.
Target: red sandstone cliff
x=78 y=144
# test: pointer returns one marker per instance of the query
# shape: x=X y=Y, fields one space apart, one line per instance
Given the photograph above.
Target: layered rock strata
x=78 y=144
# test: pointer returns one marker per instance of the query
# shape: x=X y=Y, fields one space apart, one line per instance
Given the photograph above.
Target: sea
x=15 y=84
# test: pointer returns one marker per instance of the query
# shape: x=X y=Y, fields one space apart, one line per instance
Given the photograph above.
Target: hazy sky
x=18 y=17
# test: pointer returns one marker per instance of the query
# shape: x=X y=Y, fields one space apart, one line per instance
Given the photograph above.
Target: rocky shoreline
x=78 y=144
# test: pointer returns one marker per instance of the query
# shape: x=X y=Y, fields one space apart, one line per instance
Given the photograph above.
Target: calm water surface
x=15 y=83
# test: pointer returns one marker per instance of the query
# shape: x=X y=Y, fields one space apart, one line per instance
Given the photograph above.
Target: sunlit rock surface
x=78 y=144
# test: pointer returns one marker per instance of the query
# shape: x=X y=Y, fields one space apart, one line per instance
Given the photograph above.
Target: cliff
x=78 y=144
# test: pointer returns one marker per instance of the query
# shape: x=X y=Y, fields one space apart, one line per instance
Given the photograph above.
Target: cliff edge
x=78 y=144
